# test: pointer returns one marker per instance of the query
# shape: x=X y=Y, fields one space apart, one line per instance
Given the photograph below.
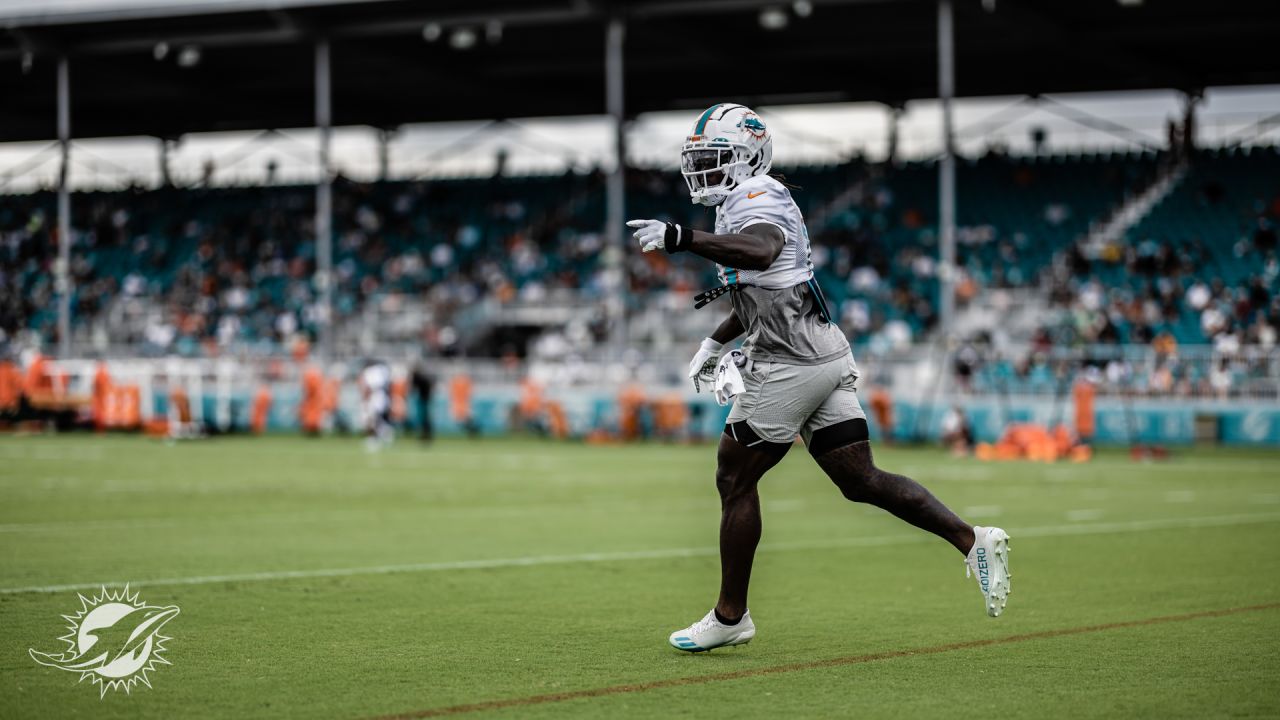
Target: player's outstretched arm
x=754 y=248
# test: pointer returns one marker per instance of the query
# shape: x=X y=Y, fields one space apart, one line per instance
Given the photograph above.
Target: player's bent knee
x=743 y=433
x=834 y=437
x=727 y=482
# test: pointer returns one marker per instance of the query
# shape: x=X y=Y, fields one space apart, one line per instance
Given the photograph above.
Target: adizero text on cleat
x=988 y=562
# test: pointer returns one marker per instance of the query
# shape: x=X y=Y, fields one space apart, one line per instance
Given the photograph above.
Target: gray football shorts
x=781 y=401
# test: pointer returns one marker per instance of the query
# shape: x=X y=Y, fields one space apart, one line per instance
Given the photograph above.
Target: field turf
x=528 y=579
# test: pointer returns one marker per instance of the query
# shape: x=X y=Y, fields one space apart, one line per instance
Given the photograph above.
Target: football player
x=375 y=395
x=799 y=375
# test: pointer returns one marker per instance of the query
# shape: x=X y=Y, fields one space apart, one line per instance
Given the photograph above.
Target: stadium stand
x=1200 y=270
x=1015 y=214
x=234 y=265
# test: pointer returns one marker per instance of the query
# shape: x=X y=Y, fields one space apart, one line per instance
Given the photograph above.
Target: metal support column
x=615 y=215
x=384 y=153
x=166 y=177
x=62 y=278
x=895 y=128
x=324 y=202
x=946 y=171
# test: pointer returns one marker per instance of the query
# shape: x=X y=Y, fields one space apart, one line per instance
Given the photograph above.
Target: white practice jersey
x=781 y=307
x=762 y=199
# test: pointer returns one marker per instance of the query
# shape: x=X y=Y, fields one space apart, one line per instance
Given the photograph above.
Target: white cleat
x=988 y=561
x=709 y=633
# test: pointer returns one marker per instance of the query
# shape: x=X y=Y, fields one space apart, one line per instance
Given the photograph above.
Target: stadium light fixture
x=431 y=32
x=28 y=60
x=189 y=56
x=802 y=8
x=463 y=38
x=493 y=32
x=160 y=51
x=773 y=18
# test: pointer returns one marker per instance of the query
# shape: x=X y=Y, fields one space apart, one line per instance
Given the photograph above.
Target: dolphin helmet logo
x=754 y=125
x=114 y=641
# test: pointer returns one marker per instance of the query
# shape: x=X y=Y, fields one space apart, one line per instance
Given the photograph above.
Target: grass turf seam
x=813 y=665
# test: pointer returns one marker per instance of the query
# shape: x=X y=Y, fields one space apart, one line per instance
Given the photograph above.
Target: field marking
x=11 y=448
x=815 y=664
x=660 y=554
x=304 y=517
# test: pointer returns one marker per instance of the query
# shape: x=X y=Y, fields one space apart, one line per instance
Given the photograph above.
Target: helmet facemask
x=713 y=169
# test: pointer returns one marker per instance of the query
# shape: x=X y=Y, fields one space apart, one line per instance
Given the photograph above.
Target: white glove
x=702 y=368
x=658 y=235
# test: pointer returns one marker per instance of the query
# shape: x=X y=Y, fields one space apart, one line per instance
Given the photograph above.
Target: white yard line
x=665 y=554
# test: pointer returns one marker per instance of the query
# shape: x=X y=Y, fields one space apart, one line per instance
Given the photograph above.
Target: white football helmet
x=729 y=144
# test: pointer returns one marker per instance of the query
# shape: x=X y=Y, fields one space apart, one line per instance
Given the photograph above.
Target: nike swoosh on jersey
x=754 y=195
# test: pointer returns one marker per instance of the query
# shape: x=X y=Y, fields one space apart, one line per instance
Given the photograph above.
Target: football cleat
x=988 y=561
x=709 y=633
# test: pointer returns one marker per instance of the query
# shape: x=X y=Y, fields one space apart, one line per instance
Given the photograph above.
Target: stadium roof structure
x=166 y=68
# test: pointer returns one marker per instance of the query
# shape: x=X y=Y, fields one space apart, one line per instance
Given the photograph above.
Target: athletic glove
x=655 y=234
x=703 y=366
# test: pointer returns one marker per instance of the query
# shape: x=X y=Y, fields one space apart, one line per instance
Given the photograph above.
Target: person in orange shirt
x=311 y=408
x=261 y=410
x=670 y=416
x=630 y=403
x=1083 y=393
x=1165 y=344
x=529 y=409
x=39 y=381
x=399 y=400
x=180 y=418
x=37 y=390
x=129 y=406
x=882 y=408
x=102 y=388
x=10 y=390
x=460 y=403
x=557 y=420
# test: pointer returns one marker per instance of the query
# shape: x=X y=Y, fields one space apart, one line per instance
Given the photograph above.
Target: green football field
x=520 y=578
